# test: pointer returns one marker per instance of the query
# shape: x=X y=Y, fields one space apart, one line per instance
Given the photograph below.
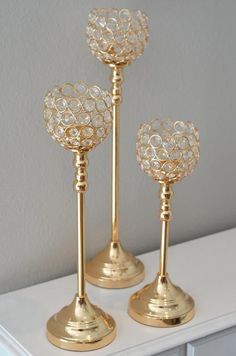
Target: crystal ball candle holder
x=167 y=151
x=116 y=37
x=79 y=117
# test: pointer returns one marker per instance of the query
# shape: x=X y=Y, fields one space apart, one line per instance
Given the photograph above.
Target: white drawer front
x=178 y=351
x=220 y=344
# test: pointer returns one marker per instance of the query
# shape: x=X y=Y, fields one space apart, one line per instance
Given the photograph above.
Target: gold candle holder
x=116 y=38
x=167 y=151
x=79 y=117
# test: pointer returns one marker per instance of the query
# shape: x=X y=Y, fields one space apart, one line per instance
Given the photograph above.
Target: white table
x=206 y=268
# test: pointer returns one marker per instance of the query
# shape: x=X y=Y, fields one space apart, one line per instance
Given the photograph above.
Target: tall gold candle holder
x=116 y=38
x=79 y=117
x=167 y=151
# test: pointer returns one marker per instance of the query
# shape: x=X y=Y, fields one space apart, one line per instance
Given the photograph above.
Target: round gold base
x=161 y=304
x=81 y=326
x=114 y=267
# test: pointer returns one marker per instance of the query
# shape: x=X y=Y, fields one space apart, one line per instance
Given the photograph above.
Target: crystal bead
x=180 y=126
x=145 y=164
x=124 y=26
x=155 y=140
x=192 y=140
x=87 y=143
x=75 y=142
x=155 y=164
x=59 y=131
x=168 y=144
x=107 y=116
x=119 y=38
x=73 y=132
x=100 y=132
x=124 y=15
x=159 y=175
x=101 y=106
x=93 y=44
x=87 y=132
x=81 y=87
x=61 y=104
x=67 y=119
x=142 y=151
x=83 y=119
x=103 y=46
x=74 y=105
x=182 y=142
x=175 y=155
x=111 y=24
x=94 y=92
x=89 y=105
x=49 y=102
x=145 y=138
x=162 y=154
x=108 y=101
x=50 y=125
x=156 y=124
x=97 y=121
x=132 y=38
x=150 y=152
x=141 y=36
x=101 y=21
x=167 y=124
x=107 y=36
x=69 y=90
x=168 y=167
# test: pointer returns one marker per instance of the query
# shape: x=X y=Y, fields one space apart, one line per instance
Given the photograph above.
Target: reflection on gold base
x=81 y=326
x=114 y=267
x=161 y=304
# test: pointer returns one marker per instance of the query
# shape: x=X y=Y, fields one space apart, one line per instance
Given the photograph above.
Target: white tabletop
x=205 y=268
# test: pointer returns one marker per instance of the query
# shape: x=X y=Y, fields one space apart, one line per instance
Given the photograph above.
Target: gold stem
x=116 y=99
x=166 y=193
x=80 y=187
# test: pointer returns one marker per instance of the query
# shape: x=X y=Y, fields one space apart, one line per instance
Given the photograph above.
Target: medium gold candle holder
x=116 y=38
x=79 y=117
x=167 y=151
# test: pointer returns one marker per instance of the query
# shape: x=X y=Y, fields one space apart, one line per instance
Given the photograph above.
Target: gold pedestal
x=114 y=267
x=161 y=304
x=81 y=326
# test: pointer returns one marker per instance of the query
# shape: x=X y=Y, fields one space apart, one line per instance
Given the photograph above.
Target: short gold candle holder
x=167 y=151
x=79 y=117
x=116 y=38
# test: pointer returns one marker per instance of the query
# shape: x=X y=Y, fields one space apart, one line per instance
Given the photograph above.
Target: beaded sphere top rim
x=167 y=150
x=117 y=36
x=78 y=116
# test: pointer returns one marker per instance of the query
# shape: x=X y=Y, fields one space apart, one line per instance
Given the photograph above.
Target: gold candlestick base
x=81 y=326
x=114 y=267
x=161 y=304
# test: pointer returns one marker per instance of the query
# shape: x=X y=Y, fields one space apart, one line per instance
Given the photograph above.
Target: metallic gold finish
x=80 y=326
x=117 y=38
x=161 y=303
x=114 y=267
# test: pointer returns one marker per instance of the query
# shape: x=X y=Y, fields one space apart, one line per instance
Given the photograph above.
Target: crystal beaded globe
x=117 y=36
x=167 y=150
x=78 y=116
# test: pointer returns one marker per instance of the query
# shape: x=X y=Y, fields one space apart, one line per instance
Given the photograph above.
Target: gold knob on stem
x=167 y=151
x=79 y=117
x=116 y=37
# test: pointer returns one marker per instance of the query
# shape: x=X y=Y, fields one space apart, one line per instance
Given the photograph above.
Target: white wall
x=187 y=72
